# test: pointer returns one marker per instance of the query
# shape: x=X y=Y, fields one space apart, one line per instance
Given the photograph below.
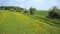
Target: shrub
x=54 y=13
x=32 y=10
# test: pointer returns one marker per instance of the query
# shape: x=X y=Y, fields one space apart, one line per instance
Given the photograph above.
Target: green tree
x=54 y=12
x=32 y=10
x=25 y=10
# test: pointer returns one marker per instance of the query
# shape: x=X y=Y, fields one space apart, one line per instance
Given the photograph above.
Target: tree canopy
x=54 y=12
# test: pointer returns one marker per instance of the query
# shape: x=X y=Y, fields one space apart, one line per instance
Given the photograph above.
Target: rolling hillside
x=16 y=23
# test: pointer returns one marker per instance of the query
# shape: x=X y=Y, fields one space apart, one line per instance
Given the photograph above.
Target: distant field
x=42 y=13
x=17 y=23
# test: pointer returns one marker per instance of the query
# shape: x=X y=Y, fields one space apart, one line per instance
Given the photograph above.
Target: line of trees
x=11 y=8
x=18 y=9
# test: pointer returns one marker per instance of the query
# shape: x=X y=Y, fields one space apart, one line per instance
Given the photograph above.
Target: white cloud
x=54 y=2
x=19 y=0
x=15 y=1
x=36 y=1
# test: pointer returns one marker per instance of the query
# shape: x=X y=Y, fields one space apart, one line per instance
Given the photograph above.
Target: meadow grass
x=17 y=23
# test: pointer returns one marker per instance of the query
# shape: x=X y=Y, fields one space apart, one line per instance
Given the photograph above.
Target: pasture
x=18 y=23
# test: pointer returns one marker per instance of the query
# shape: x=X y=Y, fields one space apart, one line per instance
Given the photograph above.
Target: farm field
x=18 y=23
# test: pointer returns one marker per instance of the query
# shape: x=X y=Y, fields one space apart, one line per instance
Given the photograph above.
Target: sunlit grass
x=16 y=23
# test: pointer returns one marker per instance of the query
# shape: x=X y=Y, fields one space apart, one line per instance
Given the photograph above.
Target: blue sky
x=38 y=4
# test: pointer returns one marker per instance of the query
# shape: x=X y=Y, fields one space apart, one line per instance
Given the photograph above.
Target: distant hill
x=11 y=8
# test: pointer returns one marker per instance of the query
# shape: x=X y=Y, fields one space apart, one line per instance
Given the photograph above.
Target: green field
x=42 y=13
x=18 y=23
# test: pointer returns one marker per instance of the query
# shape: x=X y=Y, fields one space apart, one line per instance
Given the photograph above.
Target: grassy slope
x=44 y=13
x=15 y=23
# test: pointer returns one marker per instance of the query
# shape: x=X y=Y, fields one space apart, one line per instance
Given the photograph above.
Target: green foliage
x=25 y=10
x=12 y=8
x=54 y=13
x=32 y=10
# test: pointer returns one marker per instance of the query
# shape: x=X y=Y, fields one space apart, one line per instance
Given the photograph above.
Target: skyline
x=38 y=4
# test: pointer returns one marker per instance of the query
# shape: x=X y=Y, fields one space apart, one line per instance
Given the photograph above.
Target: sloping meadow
x=16 y=23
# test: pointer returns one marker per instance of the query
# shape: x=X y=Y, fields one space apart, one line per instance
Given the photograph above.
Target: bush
x=32 y=10
x=54 y=13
